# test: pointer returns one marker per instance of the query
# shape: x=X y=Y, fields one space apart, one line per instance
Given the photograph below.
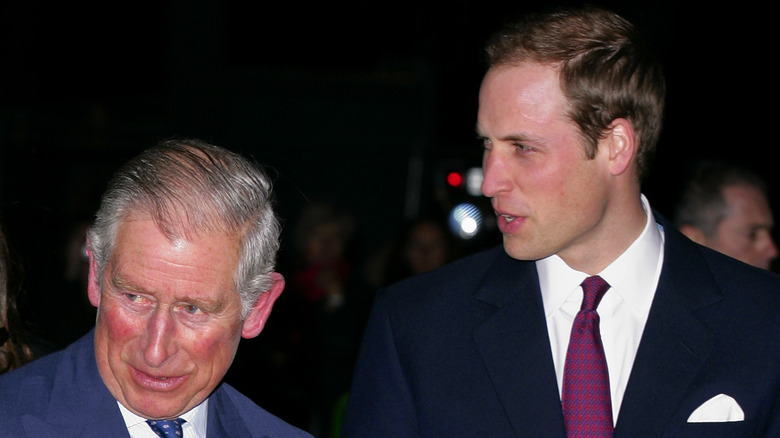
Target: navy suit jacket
x=62 y=395
x=464 y=352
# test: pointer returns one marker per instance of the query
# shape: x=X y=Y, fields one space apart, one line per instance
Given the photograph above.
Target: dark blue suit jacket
x=62 y=395
x=464 y=352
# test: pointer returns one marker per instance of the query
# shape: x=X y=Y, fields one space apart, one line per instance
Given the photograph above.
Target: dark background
x=369 y=103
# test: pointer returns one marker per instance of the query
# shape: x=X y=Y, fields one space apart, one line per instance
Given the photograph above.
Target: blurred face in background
x=324 y=244
x=745 y=232
x=426 y=249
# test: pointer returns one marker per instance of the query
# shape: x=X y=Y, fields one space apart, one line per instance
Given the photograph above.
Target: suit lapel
x=515 y=348
x=675 y=343
x=77 y=388
x=224 y=420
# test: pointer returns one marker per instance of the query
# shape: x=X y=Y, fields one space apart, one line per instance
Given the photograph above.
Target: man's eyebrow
x=509 y=137
x=119 y=282
x=516 y=137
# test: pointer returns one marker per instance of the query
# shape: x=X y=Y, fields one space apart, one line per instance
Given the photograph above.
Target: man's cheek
x=119 y=325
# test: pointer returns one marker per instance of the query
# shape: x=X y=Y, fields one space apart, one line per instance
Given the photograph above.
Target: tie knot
x=167 y=428
x=593 y=289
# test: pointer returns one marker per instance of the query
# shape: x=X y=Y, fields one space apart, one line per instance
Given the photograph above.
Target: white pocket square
x=718 y=409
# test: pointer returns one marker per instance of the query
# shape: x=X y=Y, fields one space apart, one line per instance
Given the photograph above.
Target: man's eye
x=192 y=310
x=133 y=297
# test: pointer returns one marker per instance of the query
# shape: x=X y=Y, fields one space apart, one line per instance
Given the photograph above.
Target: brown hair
x=606 y=71
x=14 y=351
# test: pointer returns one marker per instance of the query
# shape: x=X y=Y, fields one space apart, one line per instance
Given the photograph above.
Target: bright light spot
x=469 y=225
x=465 y=220
x=474 y=181
x=454 y=179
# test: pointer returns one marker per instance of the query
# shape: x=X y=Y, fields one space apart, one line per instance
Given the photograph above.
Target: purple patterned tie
x=587 y=408
x=167 y=428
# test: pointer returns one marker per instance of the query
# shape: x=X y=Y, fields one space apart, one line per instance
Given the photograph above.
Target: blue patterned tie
x=167 y=428
x=587 y=409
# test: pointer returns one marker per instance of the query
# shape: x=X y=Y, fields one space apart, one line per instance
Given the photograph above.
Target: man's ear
x=93 y=288
x=255 y=321
x=694 y=234
x=621 y=144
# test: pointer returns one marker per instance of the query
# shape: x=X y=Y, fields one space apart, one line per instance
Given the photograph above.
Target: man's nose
x=160 y=342
x=494 y=175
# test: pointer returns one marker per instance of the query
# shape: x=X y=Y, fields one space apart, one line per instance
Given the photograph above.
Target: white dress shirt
x=195 y=427
x=623 y=311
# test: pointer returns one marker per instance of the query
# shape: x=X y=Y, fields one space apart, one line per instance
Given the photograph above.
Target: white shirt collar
x=631 y=275
x=196 y=417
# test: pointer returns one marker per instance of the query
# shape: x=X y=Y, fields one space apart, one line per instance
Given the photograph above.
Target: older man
x=182 y=258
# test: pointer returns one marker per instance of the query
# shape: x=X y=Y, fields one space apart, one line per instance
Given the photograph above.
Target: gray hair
x=190 y=187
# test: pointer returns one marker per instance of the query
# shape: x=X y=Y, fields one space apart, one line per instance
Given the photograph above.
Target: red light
x=454 y=179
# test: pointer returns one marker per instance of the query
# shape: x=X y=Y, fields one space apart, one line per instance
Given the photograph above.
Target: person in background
x=596 y=317
x=322 y=269
x=327 y=292
x=14 y=348
x=425 y=244
x=726 y=207
x=181 y=267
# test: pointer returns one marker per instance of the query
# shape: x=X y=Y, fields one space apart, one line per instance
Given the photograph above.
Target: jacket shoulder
x=226 y=400
x=466 y=273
